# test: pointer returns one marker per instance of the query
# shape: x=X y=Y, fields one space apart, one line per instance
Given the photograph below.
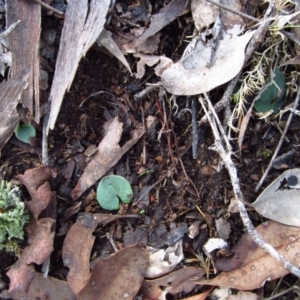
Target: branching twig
x=280 y=141
x=226 y=156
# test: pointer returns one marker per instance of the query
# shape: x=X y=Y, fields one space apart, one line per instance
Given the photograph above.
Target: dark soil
x=187 y=185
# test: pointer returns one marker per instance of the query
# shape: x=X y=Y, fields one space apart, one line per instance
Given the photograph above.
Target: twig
x=109 y=236
x=45 y=155
x=280 y=141
x=9 y=30
x=234 y=11
x=195 y=128
x=50 y=7
x=139 y=96
x=291 y=36
x=255 y=41
x=295 y=111
x=226 y=156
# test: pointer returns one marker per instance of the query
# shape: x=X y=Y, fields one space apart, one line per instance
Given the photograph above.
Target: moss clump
x=13 y=217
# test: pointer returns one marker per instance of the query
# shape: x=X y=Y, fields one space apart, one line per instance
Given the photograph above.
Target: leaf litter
x=254 y=265
x=117 y=277
x=250 y=266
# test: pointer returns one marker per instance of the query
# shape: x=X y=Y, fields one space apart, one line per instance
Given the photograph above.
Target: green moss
x=13 y=217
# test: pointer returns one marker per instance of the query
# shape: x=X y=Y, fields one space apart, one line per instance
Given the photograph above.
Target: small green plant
x=25 y=132
x=266 y=153
x=111 y=190
x=13 y=217
x=273 y=95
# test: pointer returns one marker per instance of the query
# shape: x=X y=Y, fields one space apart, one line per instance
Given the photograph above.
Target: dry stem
x=226 y=156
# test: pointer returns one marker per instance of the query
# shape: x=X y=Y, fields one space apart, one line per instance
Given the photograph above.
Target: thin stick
x=230 y=166
x=234 y=11
x=109 y=236
x=195 y=128
x=50 y=7
x=291 y=36
x=45 y=155
x=139 y=96
x=9 y=30
x=280 y=142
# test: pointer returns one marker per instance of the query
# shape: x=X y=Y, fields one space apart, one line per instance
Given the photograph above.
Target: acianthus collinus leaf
x=273 y=96
x=24 y=132
x=111 y=189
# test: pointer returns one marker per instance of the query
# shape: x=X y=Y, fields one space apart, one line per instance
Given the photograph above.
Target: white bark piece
x=84 y=22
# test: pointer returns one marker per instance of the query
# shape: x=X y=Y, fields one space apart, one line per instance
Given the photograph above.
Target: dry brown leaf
x=78 y=246
x=175 y=282
x=35 y=177
x=24 y=45
x=162 y=64
x=53 y=289
x=117 y=277
x=84 y=21
x=250 y=266
x=36 y=182
x=77 y=250
x=105 y=39
x=165 y=16
x=41 y=245
x=108 y=154
x=11 y=91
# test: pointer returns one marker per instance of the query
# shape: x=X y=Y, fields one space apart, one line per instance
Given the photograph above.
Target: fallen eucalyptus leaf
x=250 y=266
x=191 y=76
x=179 y=281
x=117 y=277
x=280 y=200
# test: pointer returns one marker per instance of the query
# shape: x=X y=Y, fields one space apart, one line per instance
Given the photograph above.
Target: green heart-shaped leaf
x=273 y=96
x=24 y=132
x=111 y=189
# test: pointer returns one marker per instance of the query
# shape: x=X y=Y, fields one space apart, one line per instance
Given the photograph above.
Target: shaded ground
x=187 y=184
